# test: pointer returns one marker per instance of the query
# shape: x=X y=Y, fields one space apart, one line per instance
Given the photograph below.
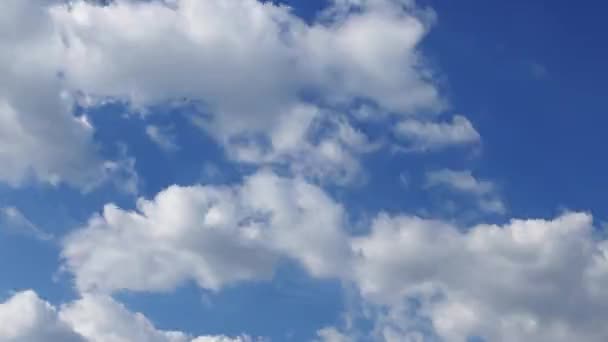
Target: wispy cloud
x=464 y=182
x=428 y=135
x=13 y=221
x=163 y=137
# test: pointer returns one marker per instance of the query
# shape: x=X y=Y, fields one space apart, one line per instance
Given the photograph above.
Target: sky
x=317 y=171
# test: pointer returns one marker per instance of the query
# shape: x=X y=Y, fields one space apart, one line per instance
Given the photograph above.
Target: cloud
x=27 y=318
x=154 y=52
x=331 y=334
x=527 y=280
x=428 y=135
x=537 y=70
x=41 y=139
x=162 y=137
x=213 y=235
x=160 y=51
x=101 y=318
x=253 y=69
x=460 y=181
x=317 y=144
x=13 y=221
x=464 y=182
x=92 y=318
x=203 y=43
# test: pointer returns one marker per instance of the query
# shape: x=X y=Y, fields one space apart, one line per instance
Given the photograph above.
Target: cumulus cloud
x=92 y=318
x=463 y=181
x=528 y=280
x=253 y=68
x=27 y=318
x=285 y=55
x=159 y=51
x=153 y=52
x=213 y=235
x=39 y=137
x=101 y=318
x=429 y=135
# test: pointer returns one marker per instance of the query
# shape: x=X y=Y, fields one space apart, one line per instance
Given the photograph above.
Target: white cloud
x=101 y=319
x=464 y=182
x=290 y=143
x=152 y=52
x=213 y=235
x=92 y=318
x=331 y=334
x=528 y=280
x=121 y=172
x=162 y=137
x=333 y=155
x=428 y=135
x=248 y=62
x=285 y=55
x=12 y=220
x=39 y=137
x=27 y=318
x=226 y=339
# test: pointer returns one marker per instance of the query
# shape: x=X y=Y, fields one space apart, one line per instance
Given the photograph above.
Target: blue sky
x=330 y=171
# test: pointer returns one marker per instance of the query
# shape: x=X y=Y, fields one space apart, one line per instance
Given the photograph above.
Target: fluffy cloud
x=100 y=318
x=315 y=143
x=157 y=51
x=428 y=135
x=249 y=63
x=463 y=181
x=528 y=280
x=213 y=235
x=39 y=137
x=253 y=68
x=93 y=318
x=27 y=318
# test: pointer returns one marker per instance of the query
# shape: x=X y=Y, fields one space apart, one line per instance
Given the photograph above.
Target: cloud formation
x=527 y=280
x=92 y=318
x=246 y=62
x=288 y=97
x=429 y=135
x=213 y=235
x=40 y=139
x=13 y=221
x=483 y=191
x=497 y=282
